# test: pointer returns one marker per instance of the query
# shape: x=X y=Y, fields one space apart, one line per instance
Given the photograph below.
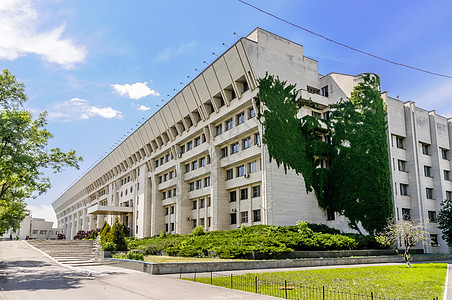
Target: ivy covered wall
x=349 y=171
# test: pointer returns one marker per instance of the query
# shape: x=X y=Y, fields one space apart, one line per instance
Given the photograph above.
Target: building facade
x=33 y=229
x=199 y=160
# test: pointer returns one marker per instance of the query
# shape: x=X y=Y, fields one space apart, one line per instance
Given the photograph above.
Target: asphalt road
x=25 y=273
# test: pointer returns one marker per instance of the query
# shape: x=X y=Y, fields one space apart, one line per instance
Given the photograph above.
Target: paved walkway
x=27 y=274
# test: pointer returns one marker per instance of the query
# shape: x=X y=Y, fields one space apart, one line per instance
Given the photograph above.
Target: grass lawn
x=177 y=259
x=421 y=281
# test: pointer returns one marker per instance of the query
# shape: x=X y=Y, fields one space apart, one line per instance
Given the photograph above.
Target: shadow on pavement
x=36 y=275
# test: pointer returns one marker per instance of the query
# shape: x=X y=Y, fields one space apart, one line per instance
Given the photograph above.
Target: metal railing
x=284 y=289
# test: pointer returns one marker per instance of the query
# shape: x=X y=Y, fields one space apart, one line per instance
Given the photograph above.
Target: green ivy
x=357 y=184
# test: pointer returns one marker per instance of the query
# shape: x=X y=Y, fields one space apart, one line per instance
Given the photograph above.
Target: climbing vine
x=356 y=182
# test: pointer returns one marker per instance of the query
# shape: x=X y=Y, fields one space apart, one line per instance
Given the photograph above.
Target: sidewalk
x=27 y=274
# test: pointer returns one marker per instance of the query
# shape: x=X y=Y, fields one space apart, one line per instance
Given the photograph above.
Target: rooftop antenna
x=236 y=34
x=225 y=44
x=204 y=62
x=213 y=53
x=197 y=70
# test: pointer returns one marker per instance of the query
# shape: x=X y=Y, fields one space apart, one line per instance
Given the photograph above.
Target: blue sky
x=100 y=67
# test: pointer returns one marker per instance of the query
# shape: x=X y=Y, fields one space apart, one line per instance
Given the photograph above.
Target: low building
x=33 y=229
x=199 y=160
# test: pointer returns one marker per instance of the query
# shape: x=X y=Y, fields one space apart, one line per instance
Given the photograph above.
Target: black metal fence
x=279 y=288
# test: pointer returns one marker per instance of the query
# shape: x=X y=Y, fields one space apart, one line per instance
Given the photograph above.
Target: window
x=240 y=118
x=240 y=171
x=404 y=189
x=194 y=204
x=170 y=193
x=202 y=203
x=202 y=162
x=207 y=181
x=406 y=214
x=156 y=165
x=246 y=143
x=174 y=192
x=330 y=214
x=172 y=210
x=218 y=129
x=326 y=115
x=402 y=165
x=229 y=124
x=428 y=171
x=208 y=158
x=191 y=186
x=209 y=221
x=251 y=113
x=244 y=217
x=234 y=148
x=189 y=145
x=256 y=215
x=172 y=226
x=160 y=179
x=163 y=195
x=167 y=158
x=434 y=240
x=194 y=165
x=445 y=154
x=257 y=139
x=194 y=223
x=324 y=91
x=224 y=152
x=425 y=149
x=232 y=196
x=197 y=141
x=209 y=202
x=400 y=142
x=187 y=168
x=165 y=177
x=313 y=90
x=252 y=166
x=429 y=193
x=448 y=195
x=446 y=175
x=166 y=227
x=243 y=194
x=166 y=211
x=199 y=184
x=162 y=160
x=182 y=149
x=233 y=218
x=432 y=216
x=256 y=191
x=229 y=174
x=204 y=139
x=316 y=114
x=201 y=221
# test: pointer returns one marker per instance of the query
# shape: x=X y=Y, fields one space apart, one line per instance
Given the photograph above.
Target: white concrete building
x=199 y=160
x=33 y=229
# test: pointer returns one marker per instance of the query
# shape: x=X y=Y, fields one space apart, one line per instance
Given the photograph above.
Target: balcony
x=109 y=210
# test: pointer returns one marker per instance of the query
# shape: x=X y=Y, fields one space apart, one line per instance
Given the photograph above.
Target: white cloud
x=134 y=91
x=20 y=36
x=43 y=211
x=76 y=109
x=168 y=53
x=141 y=107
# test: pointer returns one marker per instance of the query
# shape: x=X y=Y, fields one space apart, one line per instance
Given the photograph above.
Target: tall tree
x=445 y=221
x=23 y=153
x=356 y=182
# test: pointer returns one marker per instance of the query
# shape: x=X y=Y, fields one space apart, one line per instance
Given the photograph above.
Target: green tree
x=117 y=236
x=357 y=153
x=23 y=153
x=445 y=221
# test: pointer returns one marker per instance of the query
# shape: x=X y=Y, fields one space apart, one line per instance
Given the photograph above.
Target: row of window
x=400 y=143
x=406 y=215
x=198 y=184
x=239 y=119
x=427 y=170
x=167 y=176
x=198 y=163
x=245 y=144
x=244 y=217
x=164 y=159
x=126 y=190
x=170 y=210
x=240 y=171
x=243 y=193
x=201 y=203
x=169 y=193
x=428 y=192
x=125 y=180
x=197 y=141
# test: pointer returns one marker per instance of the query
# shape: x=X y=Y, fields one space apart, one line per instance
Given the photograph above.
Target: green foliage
x=117 y=235
x=104 y=232
x=108 y=246
x=134 y=255
x=445 y=221
x=197 y=231
x=244 y=242
x=23 y=153
x=359 y=149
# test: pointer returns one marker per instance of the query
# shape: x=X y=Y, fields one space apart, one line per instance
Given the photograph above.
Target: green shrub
x=197 y=231
x=116 y=235
x=104 y=232
x=108 y=246
x=134 y=255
